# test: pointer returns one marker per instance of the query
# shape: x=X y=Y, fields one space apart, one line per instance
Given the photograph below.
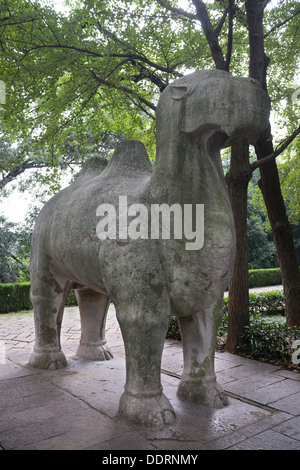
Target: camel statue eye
x=180 y=92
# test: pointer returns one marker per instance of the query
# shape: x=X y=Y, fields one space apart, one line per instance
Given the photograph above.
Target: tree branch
x=84 y=104
x=14 y=23
x=128 y=55
x=219 y=27
x=263 y=5
x=178 y=11
x=48 y=25
x=16 y=259
x=203 y=16
x=124 y=89
x=19 y=169
x=282 y=23
x=230 y=35
x=210 y=34
x=150 y=75
x=277 y=152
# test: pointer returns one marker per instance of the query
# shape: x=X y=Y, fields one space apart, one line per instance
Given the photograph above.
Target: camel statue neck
x=188 y=168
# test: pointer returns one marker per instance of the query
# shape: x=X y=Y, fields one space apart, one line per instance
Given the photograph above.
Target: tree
x=269 y=183
x=104 y=65
x=238 y=178
x=18 y=159
x=13 y=263
x=240 y=173
x=74 y=73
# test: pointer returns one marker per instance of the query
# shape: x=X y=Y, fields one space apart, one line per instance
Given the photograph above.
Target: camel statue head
x=214 y=100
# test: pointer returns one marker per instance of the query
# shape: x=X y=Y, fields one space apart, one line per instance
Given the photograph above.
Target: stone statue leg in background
x=93 y=308
x=198 y=334
x=48 y=296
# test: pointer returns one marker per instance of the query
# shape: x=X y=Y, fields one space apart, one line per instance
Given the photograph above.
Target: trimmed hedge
x=264 y=277
x=262 y=303
x=262 y=339
x=15 y=297
x=267 y=303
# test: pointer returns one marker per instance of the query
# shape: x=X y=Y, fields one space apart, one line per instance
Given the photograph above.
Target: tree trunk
x=237 y=180
x=282 y=232
x=269 y=183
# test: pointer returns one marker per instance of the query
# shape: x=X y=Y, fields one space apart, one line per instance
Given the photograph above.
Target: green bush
x=264 y=338
x=15 y=297
x=264 y=277
x=173 y=330
x=71 y=299
x=267 y=303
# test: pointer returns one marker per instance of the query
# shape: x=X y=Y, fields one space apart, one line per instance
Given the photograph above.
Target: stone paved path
x=77 y=408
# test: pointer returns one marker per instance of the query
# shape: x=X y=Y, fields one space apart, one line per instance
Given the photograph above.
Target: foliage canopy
x=80 y=77
x=101 y=65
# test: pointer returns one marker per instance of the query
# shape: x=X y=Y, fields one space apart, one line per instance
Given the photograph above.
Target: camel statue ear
x=179 y=92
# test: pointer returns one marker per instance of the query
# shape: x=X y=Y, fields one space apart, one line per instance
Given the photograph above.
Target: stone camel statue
x=149 y=279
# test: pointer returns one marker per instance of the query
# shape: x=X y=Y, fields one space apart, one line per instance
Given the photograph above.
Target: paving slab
x=77 y=408
x=268 y=440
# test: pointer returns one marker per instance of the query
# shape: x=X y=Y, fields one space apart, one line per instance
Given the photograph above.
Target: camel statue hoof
x=94 y=353
x=208 y=393
x=47 y=360
x=151 y=411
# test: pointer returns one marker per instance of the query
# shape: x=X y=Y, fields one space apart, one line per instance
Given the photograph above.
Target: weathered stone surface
x=149 y=279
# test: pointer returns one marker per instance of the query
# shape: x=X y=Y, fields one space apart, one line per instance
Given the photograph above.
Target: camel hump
x=130 y=157
x=93 y=166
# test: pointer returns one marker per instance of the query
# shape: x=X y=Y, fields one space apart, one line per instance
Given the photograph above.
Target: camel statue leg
x=93 y=308
x=144 y=332
x=48 y=296
x=134 y=280
x=198 y=333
